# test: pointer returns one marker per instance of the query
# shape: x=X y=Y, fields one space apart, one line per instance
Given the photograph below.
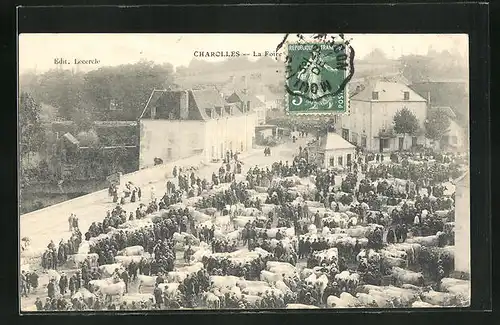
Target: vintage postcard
x=243 y=171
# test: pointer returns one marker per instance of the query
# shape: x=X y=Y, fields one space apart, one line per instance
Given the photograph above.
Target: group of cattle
x=278 y=278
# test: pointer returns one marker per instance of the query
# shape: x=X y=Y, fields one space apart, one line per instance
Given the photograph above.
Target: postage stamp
x=317 y=74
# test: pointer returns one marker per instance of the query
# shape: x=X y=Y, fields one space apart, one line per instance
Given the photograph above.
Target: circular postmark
x=317 y=72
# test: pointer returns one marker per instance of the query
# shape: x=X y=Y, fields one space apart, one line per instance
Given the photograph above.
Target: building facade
x=337 y=152
x=181 y=124
x=249 y=102
x=370 y=123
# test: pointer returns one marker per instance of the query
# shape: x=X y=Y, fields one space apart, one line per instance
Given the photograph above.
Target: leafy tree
x=437 y=125
x=127 y=86
x=62 y=89
x=31 y=131
x=405 y=122
x=88 y=138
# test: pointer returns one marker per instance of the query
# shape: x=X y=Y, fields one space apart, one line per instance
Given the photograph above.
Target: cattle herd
x=378 y=233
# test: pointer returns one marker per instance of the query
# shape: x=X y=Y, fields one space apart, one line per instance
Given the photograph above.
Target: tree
x=437 y=125
x=416 y=68
x=31 y=131
x=88 y=138
x=62 y=89
x=405 y=122
x=128 y=86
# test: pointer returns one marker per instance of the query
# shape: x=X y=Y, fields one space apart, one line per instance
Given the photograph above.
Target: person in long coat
x=391 y=237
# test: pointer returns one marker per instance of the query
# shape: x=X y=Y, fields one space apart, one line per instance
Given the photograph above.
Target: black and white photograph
x=243 y=171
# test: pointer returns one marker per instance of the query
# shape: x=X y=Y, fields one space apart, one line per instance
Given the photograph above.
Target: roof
x=445 y=109
x=248 y=97
x=68 y=136
x=208 y=98
x=387 y=92
x=335 y=141
x=203 y=99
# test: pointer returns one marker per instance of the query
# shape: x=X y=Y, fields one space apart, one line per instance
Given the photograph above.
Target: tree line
x=108 y=93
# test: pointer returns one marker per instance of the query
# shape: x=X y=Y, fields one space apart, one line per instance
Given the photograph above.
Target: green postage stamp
x=317 y=75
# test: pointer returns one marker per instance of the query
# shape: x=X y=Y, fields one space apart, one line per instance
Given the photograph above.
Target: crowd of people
x=402 y=197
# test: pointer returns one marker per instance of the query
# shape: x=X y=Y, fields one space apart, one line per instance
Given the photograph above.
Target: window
x=339 y=161
x=354 y=138
x=375 y=95
x=413 y=141
x=345 y=134
x=332 y=162
x=363 y=141
x=406 y=95
x=169 y=153
x=209 y=112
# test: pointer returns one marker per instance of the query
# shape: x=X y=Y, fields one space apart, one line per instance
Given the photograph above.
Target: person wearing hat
x=38 y=304
x=24 y=284
x=51 y=288
x=63 y=283
x=48 y=304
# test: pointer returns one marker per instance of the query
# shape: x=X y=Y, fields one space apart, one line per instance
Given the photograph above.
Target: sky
x=38 y=51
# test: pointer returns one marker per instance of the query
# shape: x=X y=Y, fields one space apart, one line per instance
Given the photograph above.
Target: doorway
x=381 y=145
x=401 y=143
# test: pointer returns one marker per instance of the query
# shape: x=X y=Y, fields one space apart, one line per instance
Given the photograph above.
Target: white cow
x=96 y=284
x=211 y=300
x=126 y=260
x=132 y=251
x=270 y=277
x=108 y=269
x=145 y=281
x=170 y=289
x=114 y=289
x=406 y=276
x=228 y=281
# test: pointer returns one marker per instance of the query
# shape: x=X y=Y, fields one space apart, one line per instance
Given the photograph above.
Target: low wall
x=141 y=178
x=160 y=172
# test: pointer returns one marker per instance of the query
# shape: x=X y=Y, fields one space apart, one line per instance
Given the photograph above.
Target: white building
x=245 y=98
x=370 y=123
x=462 y=224
x=337 y=152
x=181 y=124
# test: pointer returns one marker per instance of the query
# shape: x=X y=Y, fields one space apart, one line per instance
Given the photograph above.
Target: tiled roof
x=208 y=98
x=245 y=97
x=387 y=91
x=446 y=109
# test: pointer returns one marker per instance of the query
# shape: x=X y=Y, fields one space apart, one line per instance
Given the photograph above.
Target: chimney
x=153 y=112
x=184 y=105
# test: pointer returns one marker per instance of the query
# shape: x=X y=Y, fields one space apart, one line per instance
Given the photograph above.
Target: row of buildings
x=373 y=104
x=181 y=123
